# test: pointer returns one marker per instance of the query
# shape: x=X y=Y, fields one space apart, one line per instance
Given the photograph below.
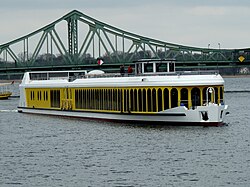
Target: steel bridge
x=77 y=41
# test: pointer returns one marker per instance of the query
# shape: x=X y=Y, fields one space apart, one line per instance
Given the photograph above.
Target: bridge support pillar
x=73 y=38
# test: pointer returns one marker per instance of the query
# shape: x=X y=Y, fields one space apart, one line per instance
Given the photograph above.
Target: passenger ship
x=155 y=93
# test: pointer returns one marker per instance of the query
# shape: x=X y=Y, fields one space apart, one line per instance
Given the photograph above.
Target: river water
x=38 y=150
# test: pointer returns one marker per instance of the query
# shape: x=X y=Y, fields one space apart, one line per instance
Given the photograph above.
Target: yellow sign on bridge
x=241 y=58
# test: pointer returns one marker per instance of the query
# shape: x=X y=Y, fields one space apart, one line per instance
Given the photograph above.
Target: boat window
x=166 y=99
x=144 y=103
x=120 y=100
x=32 y=95
x=39 y=95
x=195 y=96
x=216 y=95
x=102 y=93
x=148 y=68
x=154 y=99
x=83 y=99
x=55 y=98
x=126 y=100
x=135 y=100
x=210 y=95
x=92 y=99
x=115 y=99
x=161 y=67
x=140 y=100
x=112 y=103
x=149 y=100
x=44 y=95
x=221 y=94
x=89 y=99
x=76 y=99
x=93 y=103
x=95 y=99
x=105 y=107
x=204 y=95
x=57 y=75
x=109 y=100
x=174 y=98
x=106 y=99
x=38 y=76
x=159 y=100
x=102 y=103
x=184 y=97
x=131 y=106
x=101 y=99
x=86 y=98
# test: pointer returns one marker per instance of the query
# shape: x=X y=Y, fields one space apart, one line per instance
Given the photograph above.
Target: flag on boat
x=100 y=61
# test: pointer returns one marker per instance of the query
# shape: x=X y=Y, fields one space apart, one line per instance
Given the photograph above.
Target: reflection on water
x=39 y=150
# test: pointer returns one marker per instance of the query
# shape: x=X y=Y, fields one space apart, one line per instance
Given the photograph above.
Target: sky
x=197 y=23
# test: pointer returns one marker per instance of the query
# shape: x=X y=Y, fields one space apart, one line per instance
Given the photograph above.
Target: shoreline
x=10 y=80
x=236 y=76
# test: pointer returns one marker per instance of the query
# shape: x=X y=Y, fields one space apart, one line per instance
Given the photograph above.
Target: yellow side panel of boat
x=38 y=97
x=64 y=98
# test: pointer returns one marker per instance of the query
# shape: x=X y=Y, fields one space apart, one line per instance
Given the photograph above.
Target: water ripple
x=51 y=151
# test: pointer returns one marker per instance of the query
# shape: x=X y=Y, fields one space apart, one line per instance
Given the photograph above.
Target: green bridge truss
x=78 y=40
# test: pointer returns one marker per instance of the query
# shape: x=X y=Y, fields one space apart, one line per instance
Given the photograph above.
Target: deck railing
x=71 y=76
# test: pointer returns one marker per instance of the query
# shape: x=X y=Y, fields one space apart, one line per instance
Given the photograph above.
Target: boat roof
x=116 y=80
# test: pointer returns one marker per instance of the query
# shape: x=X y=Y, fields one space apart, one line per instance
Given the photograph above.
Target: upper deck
x=143 y=67
x=147 y=72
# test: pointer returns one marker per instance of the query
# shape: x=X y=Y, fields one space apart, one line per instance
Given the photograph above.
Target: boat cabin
x=154 y=66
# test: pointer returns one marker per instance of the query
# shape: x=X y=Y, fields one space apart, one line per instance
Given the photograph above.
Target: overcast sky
x=188 y=22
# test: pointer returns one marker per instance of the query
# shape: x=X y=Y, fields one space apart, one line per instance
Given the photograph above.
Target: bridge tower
x=73 y=37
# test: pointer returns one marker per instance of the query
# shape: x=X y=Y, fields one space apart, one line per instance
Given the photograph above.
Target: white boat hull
x=213 y=115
